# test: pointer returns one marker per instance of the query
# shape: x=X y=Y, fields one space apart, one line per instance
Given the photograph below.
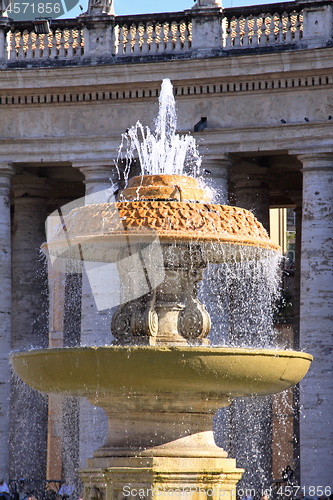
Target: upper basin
x=171 y=209
x=202 y=378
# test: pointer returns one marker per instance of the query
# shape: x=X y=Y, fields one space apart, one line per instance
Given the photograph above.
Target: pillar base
x=160 y=477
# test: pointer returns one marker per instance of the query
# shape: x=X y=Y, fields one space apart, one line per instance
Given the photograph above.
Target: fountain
x=161 y=383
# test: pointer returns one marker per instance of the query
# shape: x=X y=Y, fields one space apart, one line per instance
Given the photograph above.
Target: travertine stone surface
x=316 y=325
x=6 y=172
x=78 y=130
x=155 y=477
x=172 y=220
x=95 y=324
x=252 y=191
x=98 y=35
x=216 y=177
x=169 y=311
x=296 y=197
x=29 y=323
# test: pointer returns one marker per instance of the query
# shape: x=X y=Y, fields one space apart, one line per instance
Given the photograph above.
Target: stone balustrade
x=286 y=26
x=253 y=28
x=142 y=35
x=65 y=41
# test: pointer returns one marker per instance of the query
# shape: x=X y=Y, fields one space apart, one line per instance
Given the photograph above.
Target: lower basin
x=193 y=378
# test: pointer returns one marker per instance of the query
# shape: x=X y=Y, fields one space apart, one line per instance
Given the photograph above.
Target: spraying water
x=163 y=151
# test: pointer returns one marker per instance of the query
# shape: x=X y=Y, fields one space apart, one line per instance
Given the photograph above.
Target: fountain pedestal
x=171 y=314
x=160 y=446
x=162 y=477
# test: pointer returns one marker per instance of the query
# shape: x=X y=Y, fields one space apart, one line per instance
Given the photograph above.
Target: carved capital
x=193 y=321
x=316 y=161
x=98 y=179
x=30 y=186
x=6 y=172
x=136 y=321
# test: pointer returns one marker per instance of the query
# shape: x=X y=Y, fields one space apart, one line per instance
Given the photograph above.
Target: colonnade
x=6 y=172
x=22 y=294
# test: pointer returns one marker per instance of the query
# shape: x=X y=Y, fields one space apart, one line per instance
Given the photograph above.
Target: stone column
x=251 y=324
x=56 y=282
x=6 y=172
x=4 y=28
x=251 y=187
x=296 y=197
x=316 y=325
x=28 y=426
x=98 y=180
x=216 y=177
x=95 y=324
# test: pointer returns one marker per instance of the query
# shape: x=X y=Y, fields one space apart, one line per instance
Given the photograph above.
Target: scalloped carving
x=170 y=219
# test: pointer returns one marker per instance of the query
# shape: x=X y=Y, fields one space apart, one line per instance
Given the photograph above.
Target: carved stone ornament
x=171 y=313
x=194 y=321
x=98 y=7
x=136 y=321
x=162 y=234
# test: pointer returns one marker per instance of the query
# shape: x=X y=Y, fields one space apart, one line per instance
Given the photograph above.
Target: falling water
x=240 y=297
x=34 y=416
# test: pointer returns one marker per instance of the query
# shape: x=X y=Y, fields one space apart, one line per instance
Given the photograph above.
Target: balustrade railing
x=169 y=34
x=141 y=35
x=262 y=30
x=65 y=41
